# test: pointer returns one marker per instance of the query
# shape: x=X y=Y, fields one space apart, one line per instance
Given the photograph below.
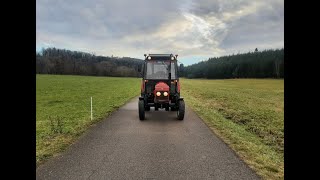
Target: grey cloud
x=118 y=17
x=216 y=7
x=262 y=27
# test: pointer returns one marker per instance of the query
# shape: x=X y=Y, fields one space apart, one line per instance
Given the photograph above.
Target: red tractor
x=160 y=86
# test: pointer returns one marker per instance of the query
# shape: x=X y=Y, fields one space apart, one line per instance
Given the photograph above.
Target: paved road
x=161 y=147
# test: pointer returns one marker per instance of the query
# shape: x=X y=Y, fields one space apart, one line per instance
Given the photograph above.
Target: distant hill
x=257 y=64
x=62 y=61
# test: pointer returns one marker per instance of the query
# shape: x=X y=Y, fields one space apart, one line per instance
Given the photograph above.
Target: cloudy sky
x=195 y=30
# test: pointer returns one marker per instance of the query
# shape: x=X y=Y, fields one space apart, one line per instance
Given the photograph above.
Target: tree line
x=62 y=61
x=264 y=64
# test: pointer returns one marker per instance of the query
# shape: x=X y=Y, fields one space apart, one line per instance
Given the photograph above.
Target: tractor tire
x=141 y=110
x=181 y=110
x=147 y=108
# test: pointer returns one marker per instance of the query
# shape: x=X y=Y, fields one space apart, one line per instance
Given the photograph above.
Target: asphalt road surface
x=160 y=147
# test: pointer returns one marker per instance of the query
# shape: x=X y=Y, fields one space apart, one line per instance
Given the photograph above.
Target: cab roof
x=160 y=56
x=167 y=55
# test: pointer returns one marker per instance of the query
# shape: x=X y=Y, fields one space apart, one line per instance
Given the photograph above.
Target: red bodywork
x=161 y=87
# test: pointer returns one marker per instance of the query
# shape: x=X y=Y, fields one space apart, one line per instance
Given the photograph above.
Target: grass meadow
x=248 y=114
x=63 y=107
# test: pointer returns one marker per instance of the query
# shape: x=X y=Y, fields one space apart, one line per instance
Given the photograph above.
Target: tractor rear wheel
x=141 y=110
x=181 y=110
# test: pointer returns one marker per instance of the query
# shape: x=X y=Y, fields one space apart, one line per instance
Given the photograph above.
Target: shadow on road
x=161 y=116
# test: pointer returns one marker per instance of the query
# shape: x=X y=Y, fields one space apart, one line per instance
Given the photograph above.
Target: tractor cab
x=160 y=86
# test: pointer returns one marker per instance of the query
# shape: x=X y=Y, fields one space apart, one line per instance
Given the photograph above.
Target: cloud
x=200 y=28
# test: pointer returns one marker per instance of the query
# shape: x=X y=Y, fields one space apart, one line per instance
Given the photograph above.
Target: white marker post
x=91 y=108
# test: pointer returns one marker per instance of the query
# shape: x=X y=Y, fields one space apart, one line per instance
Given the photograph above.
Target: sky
x=195 y=30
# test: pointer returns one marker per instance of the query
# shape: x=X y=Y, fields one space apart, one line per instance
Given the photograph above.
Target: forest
x=62 y=61
x=256 y=64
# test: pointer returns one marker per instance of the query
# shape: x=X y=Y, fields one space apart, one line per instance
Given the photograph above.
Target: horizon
x=179 y=61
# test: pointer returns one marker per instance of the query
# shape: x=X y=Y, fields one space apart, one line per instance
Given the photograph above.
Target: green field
x=63 y=107
x=248 y=114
